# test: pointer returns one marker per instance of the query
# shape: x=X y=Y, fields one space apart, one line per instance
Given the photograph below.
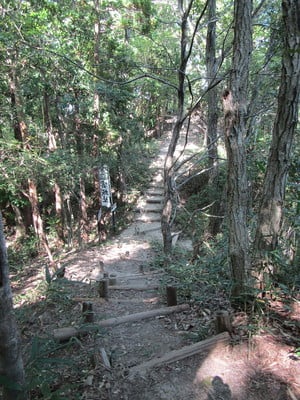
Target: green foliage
x=43 y=371
x=6 y=383
x=22 y=251
x=205 y=279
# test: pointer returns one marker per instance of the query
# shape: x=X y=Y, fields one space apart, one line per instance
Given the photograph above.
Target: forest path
x=122 y=359
x=140 y=287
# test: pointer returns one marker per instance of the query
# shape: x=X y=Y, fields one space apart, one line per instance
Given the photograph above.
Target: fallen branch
x=176 y=355
x=63 y=334
x=111 y=300
x=105 y=358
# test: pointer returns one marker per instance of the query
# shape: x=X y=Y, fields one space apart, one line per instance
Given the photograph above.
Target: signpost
x=105 y=193
x=105 y=188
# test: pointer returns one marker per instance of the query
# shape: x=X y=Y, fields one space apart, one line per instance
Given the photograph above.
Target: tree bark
x=52 y=146
x=217 y=208
x=97 y=27
x=12 y=376
x=211 y=69
x=272 y=202
x=37 y=219
x=83 y=212
x=59 y=211
x=19 y=123
x=234 y=104
x=169 y=185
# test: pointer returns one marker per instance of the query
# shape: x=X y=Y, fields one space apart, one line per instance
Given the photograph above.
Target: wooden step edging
x=63 y=334
x=134 y=287
x=177 y=355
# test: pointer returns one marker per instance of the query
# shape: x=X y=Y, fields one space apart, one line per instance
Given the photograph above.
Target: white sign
x=105 y=188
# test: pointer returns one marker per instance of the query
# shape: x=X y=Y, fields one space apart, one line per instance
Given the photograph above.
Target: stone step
x=149 y=208
x=155 y=192
x=147 y=228
x=154 y=200
x=149 y=217
x=156 y=185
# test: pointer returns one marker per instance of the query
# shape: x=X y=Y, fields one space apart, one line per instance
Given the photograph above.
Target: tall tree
x=186 y=46
x=272 y=202
x=235 y=112
x=12 y=376
x=211 y=70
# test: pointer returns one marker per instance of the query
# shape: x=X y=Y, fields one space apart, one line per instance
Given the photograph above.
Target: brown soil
x=248 y=367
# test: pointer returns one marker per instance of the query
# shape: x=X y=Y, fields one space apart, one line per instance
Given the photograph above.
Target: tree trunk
x=83 y=212
x=59 y=212
x=97 y=27
x=217 y=208
x=12 y=376
x=234 y=104
x=272 y=201
x=170 y=193
x=169 y=186
x=48 y=122
x=211 y=69
x=69 y=220
x=19 y=123
x=19 y=222
x=37 y=219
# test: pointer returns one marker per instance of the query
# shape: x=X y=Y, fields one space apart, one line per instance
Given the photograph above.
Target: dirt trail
x=222 y=372
x=111 y=361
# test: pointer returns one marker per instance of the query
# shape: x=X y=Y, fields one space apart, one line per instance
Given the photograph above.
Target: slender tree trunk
x=20 y=226
x=234 y=104
x=170 y=193
x=12 y=376
x=272 y=201
x=59 y=212
x=37 y=219
x=62 y=123
x=97 y=27
x=19 y=123
x=217 y=208
x=169 y=185
x=83 y=212
x=48 y=123
x=69 y=219
x=212 y=108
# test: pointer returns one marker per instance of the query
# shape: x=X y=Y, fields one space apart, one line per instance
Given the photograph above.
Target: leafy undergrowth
x=63 y=371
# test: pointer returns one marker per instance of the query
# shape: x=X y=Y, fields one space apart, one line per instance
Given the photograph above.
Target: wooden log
x=87 y=311
x=171 y=296
x=223 y=323
x=134 y=287
x=105 y=358
x=111 y=300
x=146 y=275
x=112 y=279
x=103 y=288
x=143 y=315
x=63 y=334
x=176 y=355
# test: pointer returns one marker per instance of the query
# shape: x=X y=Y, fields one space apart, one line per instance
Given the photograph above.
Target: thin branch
x=196 y=29
x=81 y=67
x=193 y=176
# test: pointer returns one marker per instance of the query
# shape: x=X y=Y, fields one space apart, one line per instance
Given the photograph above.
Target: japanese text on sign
x=105 y=188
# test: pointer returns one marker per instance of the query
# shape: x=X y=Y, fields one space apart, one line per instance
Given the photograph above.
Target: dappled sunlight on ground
x=265 y=366
x=112 y=255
